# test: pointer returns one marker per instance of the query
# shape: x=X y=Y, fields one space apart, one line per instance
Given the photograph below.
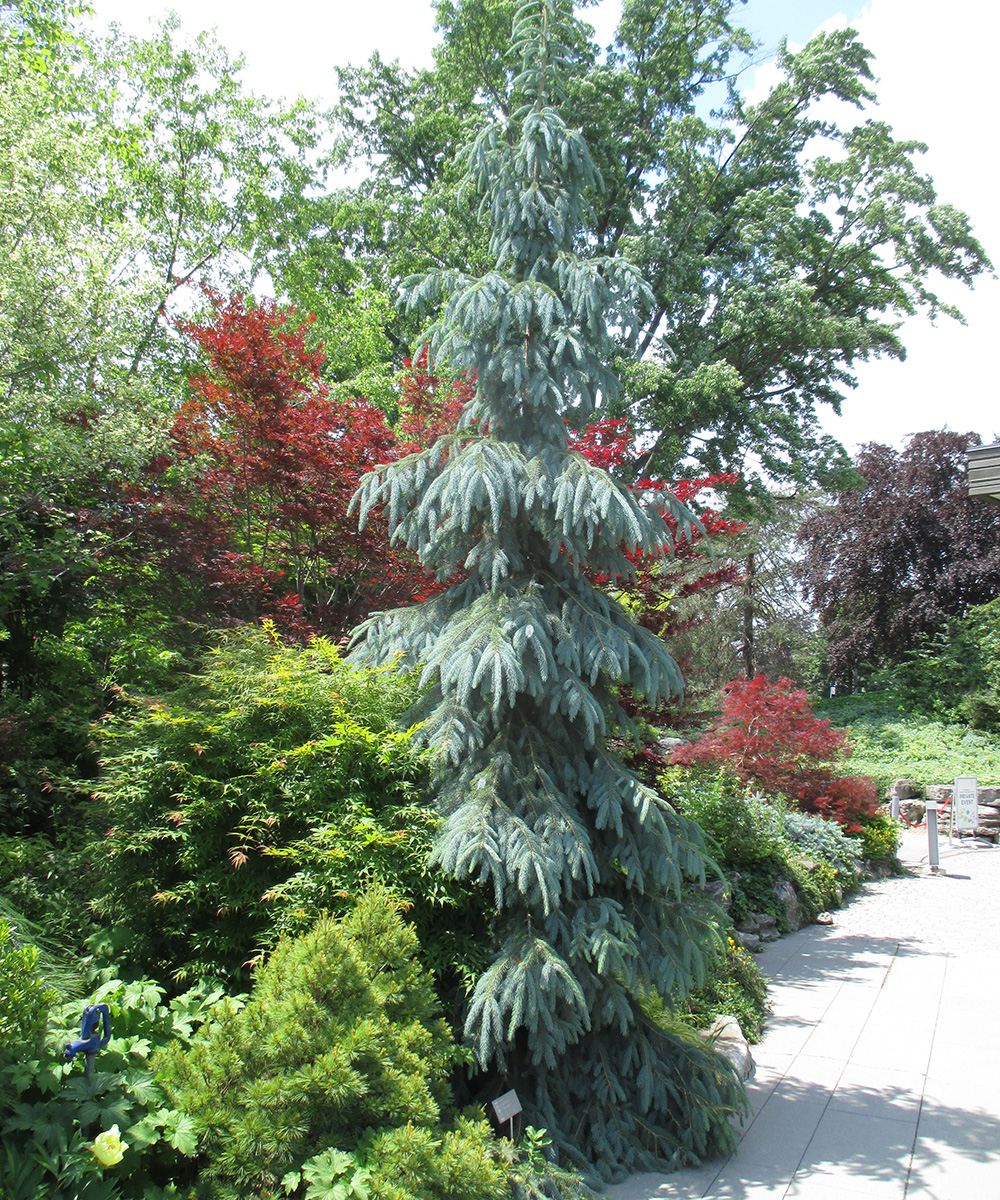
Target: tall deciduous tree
x=890 y=561
x=781 y=246
x=585 y=864
x=130 y=170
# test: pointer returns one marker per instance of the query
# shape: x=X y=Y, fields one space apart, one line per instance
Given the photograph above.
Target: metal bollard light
x=89 y=1042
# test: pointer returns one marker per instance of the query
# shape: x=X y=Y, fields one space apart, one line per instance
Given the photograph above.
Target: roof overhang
x=984 y=471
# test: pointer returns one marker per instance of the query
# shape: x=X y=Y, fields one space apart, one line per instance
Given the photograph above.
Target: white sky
x=934 y=65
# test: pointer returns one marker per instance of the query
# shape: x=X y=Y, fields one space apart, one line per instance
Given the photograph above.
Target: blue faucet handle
x=89 y=1042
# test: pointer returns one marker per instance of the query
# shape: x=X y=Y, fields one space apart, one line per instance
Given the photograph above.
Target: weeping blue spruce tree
x=519 y=659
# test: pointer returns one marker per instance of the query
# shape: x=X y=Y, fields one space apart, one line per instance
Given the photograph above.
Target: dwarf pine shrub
x=335 y=1068
x=520 y=656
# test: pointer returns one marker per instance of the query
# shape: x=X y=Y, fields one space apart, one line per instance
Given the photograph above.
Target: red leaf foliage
x=250 y=499
x=768 y=735
x=660 y=584
x=429 y=405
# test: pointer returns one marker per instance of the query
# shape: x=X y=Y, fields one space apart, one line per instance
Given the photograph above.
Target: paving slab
x=874 y=1078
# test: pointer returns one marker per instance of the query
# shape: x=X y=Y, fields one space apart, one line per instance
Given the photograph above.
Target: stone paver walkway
x=879 y=1071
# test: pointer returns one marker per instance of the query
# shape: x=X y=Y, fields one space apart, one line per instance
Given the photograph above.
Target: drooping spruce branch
x=520 y=657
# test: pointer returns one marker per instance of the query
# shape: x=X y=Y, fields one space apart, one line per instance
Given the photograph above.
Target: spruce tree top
x=534 y=329
x=534 y=332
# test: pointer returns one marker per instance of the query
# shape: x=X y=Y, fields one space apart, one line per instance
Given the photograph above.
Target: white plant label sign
x=506 y=1107
x=965 y=802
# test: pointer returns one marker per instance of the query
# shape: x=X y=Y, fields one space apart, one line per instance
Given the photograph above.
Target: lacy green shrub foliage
x=48 y=758
x=273 y=786
x=768 y=735
x=756 y=842
x=45 y=890
x=520 y=654
x=742 y=831
x=339 y=1049
x=740 y=826
x=45 y=737
x=51 y=1116
x=735 y=987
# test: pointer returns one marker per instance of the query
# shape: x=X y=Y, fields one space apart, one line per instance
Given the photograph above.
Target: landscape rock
x=904 y=789
x=749 y=941
x=913 y=811
x=667 y=744
x=824 y=918
x=728 y=1040
x=765 y=920
x=789 y=900
x=721 y=892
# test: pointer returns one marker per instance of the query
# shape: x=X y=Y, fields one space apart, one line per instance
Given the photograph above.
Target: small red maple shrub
x=768 y=735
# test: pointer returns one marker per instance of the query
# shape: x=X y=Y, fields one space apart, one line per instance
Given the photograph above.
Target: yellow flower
x=108 y=1147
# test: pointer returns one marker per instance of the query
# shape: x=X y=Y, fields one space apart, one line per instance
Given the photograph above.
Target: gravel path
x=955 y=909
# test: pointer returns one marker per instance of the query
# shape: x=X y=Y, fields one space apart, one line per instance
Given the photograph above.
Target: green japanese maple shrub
x=271 y=787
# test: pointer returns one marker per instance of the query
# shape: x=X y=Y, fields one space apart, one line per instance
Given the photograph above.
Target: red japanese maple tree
x=245 y=513
x=768 y=735
x=251 y=496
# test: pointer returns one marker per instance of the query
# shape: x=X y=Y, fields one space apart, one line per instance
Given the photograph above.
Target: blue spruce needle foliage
x=586 y=865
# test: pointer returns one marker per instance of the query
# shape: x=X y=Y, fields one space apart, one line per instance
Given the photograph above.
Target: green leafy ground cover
x=891 y=741
x=329 y=1081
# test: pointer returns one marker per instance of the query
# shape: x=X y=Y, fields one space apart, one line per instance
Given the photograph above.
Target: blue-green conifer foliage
x=520 y=656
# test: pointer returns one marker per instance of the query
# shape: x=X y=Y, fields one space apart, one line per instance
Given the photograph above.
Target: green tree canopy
x=781 y=246
x=130 y=171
